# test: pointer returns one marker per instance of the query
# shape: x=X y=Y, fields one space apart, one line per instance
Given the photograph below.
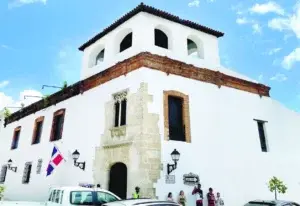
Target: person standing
x=170 y=197
x=136 y=194
x=199 y=195
x=219 y=200
x=211 y=200
x=181 y=198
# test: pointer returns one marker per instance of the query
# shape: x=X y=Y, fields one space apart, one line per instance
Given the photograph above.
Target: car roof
x=277 y=202
x=78 y=188
x=139 y=202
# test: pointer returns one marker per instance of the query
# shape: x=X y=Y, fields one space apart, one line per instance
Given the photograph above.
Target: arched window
x=192 y=48
x=161 y=39
x=126 y=42
x=100 y=57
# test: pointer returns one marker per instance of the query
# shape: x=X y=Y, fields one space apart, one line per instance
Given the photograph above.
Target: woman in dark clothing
x=211 y=198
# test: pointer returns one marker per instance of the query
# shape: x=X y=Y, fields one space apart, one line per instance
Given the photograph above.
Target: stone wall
x=138 y=145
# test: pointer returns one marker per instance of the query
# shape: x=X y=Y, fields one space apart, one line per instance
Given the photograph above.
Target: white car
x=141 y=202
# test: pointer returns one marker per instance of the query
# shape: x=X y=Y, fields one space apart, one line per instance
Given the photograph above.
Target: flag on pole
x=56 y=159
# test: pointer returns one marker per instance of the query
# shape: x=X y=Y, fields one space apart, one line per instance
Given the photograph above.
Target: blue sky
x=39 y=40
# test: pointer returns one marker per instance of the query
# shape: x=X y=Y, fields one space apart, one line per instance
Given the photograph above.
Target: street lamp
x=175 y=157
x=75 y=156
x=9 y=163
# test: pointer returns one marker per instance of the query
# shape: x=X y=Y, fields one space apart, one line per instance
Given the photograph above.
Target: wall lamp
x=75 y=156
x=175 y=157
x=9 y=163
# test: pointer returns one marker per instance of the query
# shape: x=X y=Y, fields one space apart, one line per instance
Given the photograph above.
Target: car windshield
x=257 y=203
x=103 y=197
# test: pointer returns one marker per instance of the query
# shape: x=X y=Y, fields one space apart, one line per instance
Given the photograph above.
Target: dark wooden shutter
x=262 y=136
x=117 y=112
x=123 y=112
x=176 y=123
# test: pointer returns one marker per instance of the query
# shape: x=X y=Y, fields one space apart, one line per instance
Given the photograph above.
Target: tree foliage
x=1 y=191
x=7 y=113
x=277 y=186
x=65 y=84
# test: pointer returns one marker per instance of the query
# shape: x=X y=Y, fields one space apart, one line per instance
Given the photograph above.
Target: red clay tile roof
x=151 y=10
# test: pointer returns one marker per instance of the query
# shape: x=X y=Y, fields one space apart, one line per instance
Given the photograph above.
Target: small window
x=161 y=39
x=126 y=42
x=16 y=138
x=50 y=196
x=53 y=196
x=3 y=173
x=57 y=125
x=100 y=57
x=26 y=174
x=57 y=196
x=61 y=197
x=262 y=135
x=192 y=48
x=103 y=197
x=81 y=198
x=37 y=132
x=120 y=109
x=39 y=166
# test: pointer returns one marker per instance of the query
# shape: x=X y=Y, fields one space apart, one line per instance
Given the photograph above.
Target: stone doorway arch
x=118 y=179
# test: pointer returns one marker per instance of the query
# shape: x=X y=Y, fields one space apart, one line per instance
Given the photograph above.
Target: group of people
x=211 y=199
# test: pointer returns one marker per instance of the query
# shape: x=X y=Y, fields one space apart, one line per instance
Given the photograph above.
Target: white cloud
x=291 y=59
x=194 y=3
x=211 y=1
x=289 y=23
x=273 y=51
x=4 y=84
x=269 y=7
x=243 y=20
x=8 y=101
x=18 y=3
x=256 y=28
x=279 y=77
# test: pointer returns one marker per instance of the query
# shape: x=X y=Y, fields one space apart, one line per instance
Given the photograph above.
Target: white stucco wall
x=225 y=150
x=83 y=127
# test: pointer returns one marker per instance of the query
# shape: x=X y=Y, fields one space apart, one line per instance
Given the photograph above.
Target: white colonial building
x=152 y=83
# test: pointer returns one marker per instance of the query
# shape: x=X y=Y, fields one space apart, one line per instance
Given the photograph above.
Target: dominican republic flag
x=56 y=159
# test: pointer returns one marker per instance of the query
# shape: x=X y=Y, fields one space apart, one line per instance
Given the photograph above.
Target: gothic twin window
x=120 y=109
x=26 y=173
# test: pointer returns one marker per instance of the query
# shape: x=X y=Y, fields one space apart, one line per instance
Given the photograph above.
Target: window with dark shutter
x=16 y=138
x=176 y=124
x=57 y=125
x=3 y=173
x=26 y=174
x=123 y=112
x=117 y=113
x=126 y=42
x=262 y=135
x=39 y=166
x=37 y=132
x=161 y=39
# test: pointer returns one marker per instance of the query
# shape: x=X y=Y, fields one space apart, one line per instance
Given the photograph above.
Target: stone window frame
x=17 y=129
x=186 y=114
x=119 y=97
x=37 y=120
x=55 y=114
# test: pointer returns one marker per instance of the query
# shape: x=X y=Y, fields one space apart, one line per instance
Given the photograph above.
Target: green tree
x=65 y=84
x=1 y=191
x=7 y=113
x=277 y=186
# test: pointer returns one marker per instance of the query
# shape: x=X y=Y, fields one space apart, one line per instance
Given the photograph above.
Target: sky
x=39 y=41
